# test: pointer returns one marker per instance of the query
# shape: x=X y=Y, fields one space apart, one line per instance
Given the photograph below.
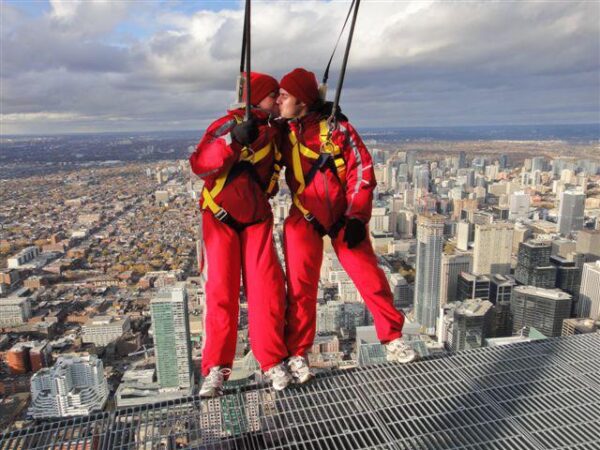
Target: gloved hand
x=355 y=232
x=245 y=133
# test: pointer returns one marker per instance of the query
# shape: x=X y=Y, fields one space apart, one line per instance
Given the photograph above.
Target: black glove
x=245 y=133
x=355 y=232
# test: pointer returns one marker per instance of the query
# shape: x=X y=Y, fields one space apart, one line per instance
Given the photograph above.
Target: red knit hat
x=261 y=85
x=302 y=84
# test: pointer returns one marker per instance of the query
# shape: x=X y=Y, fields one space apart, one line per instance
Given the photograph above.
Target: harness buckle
x=309 y=217
x=221 y=214
x=249 y=154
x=327 y=147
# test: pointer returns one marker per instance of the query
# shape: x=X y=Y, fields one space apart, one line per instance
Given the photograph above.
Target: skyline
x=172 y=65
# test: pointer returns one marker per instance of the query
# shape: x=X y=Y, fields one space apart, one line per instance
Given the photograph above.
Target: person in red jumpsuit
x=239 y=163
x=332 y=180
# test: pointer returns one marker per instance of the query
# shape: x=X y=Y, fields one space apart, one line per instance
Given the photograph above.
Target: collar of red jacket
x=306 y=121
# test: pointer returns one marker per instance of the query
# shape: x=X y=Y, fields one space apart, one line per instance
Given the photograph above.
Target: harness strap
x=330 y=156
x=248 y=158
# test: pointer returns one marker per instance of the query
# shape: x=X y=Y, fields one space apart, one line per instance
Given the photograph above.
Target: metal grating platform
x=535 y=395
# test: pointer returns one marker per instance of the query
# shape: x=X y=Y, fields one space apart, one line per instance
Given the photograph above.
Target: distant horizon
x=90 y=67
x=415 y=127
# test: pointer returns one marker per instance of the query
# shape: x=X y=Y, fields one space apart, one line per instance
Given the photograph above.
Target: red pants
x=303 y=256
x=253 y=253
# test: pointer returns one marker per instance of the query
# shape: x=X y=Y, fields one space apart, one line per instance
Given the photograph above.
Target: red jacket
x=326 y=197
x=216 y=153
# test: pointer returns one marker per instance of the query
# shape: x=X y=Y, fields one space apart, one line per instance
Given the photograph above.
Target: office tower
x=473 y=286
x=463 y=231
x=564 y=248
x=589 y=293
x=421 y=178
x=430 y=239
x=380 y=220
x=411 y=159
x=519 y=206
x=492 y=248
x=533 y=265
x=462 y=160
x=74 y=386
x=452 y=266
x=501 y=287
x=471 y=325
x=542 y=309
x=172 y=337
x=503 y=161
x=401 y=290
x=405 y=220
x=588 y=244
x=571 y=212
x=568 y=275
x=538 y=163
x=521 y=233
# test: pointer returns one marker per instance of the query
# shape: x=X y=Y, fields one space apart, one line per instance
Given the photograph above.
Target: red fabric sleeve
x=360 y=175
x=214 y=151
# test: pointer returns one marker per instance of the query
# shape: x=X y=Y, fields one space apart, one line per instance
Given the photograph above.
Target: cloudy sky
x=91 y=65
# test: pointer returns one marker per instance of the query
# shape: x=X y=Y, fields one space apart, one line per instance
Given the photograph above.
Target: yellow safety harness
x=249 y=158
x=328 y=150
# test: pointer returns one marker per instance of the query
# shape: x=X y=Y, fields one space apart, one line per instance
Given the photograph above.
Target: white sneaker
x=212 y=386
x=299 y=370
x=279 y=376
x=398 y=351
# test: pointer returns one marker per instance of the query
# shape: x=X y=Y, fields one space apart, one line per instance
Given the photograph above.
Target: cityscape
x=102 y=302
x=437 y=288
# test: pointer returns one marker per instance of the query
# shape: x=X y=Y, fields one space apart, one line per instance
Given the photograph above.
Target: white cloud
x=88 y=17
x=428 y=62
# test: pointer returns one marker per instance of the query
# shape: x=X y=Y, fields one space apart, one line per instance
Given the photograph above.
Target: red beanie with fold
x=302 y=84
x=261 y=85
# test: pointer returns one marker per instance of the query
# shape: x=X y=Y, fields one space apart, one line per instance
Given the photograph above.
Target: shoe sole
x=402 y=361
x=215 y=395
x=304 y=379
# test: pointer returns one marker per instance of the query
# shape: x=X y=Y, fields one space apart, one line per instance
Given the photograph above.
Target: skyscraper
x=463 y=235
x=492 y=248
x=538 y=163
x=430 y=239
x=471 y=325
x=588 y=244
x=568 y=275
x=172 y=337
x=472 y=286
x=571 y=212
x=501 y=287
x=589 y=293
x=519 y=206
x=452 y=266
x=533 y=264
x=543 y=309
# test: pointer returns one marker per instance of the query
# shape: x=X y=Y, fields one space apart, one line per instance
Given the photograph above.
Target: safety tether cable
x=323 y=87
x=332 y=118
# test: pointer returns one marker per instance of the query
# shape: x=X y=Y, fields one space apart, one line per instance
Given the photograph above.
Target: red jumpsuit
x=250 y=250
x=329 y=198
